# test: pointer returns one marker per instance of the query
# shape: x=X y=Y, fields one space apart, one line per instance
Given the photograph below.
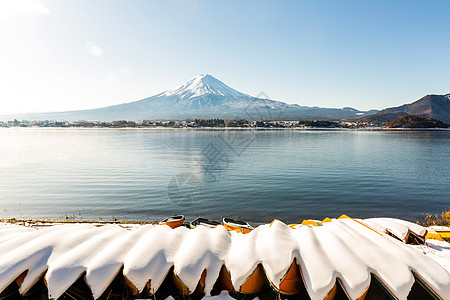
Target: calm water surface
x=257 y=175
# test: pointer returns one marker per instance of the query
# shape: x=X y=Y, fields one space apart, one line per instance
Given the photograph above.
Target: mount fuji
x=204 y=96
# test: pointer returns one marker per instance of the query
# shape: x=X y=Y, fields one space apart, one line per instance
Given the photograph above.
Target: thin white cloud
x=94 y=49
x=97 y=51
x=42 y=9
x=122 y=73
x=112 y=76
x=21 y=8
x=125 y=73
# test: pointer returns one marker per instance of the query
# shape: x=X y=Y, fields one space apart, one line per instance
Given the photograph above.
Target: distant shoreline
x=228 y=128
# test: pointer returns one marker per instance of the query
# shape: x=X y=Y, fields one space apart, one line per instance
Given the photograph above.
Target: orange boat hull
x=237 y=229
x=292 y=283
x=174 y=224
x=184 y=290
x=255 y=282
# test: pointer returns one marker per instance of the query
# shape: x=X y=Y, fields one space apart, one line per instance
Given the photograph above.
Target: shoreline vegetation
x=404 y=123
x=442 y=219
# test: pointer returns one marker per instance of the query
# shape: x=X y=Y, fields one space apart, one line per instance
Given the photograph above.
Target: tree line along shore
x=408 y=121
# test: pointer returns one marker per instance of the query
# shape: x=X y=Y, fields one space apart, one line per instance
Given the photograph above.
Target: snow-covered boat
x=236 y=225
x=443 y=231
x=291 y=283
x=204 y=222
x=345 y=258
x=173 y=222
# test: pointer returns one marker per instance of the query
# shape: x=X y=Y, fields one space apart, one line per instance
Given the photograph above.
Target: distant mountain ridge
x=433 y=106
x=204 y=96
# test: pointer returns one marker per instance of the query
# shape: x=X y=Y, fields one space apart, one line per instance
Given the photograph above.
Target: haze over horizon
x=61 y=56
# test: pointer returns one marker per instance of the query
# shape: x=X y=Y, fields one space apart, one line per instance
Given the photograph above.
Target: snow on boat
x=345 y=257
x=405 y=231
x=254 y=282
x=291 y=283
x=204 y=222
x=443 y=231
x=173 y=222
x=236 y=225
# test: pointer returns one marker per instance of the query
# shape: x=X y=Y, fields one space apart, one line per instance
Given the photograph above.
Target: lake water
x=146 y=175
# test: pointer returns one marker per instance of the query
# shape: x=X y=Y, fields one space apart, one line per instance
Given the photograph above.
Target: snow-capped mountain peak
x=202 y=85
x=201 y=97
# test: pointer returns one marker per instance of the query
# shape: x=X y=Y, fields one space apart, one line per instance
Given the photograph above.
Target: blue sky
x=74 y=54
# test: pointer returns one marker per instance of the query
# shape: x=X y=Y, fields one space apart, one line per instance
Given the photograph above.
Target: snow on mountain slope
x=205 y=93
x=201 y=85
x=201 y=97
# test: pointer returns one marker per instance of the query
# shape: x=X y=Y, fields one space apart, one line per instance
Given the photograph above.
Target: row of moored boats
x=228 y=223
x=435 y=232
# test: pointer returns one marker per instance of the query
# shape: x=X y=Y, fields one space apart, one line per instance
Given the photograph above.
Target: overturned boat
x=443 y=231
x=342 y=258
